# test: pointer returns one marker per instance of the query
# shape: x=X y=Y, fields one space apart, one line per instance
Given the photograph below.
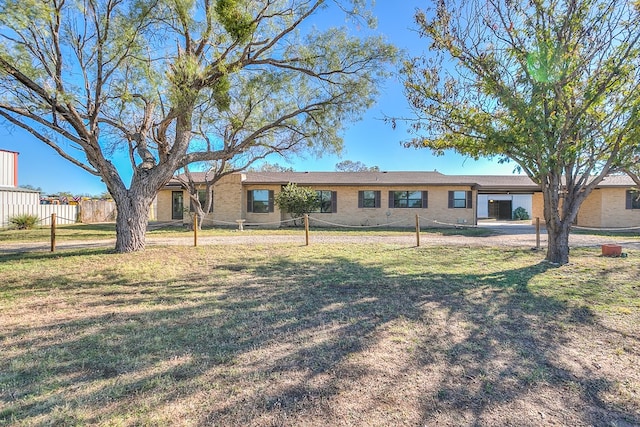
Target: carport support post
x=417 y=230
x=306 y=229
x=195 y=229
x=537 y=232
x=53 y=232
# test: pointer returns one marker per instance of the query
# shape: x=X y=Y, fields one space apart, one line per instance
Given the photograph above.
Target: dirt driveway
x=504 y=234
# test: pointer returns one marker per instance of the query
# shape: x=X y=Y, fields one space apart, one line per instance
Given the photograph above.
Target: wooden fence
x=97 y=211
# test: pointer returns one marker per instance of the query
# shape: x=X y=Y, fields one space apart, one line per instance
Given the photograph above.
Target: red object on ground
x=611 y=250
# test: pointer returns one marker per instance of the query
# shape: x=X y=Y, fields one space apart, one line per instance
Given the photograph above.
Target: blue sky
x=370 y=141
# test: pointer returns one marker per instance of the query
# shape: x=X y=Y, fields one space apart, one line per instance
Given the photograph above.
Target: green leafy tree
x=351 y=166
x=633 y=169
x=551 y=86
x=296 y=200
x=31 y=187
x=173 y=82
x=271 y=167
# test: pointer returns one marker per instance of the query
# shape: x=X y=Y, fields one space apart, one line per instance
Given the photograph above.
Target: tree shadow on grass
x=308 y=341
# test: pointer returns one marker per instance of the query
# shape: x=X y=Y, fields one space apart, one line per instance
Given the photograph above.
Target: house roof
x=484 y=183
x=356 y=178
x=17 y=189
x=617 y=181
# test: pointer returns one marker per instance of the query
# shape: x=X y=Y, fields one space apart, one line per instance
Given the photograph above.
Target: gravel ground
x=506 y=234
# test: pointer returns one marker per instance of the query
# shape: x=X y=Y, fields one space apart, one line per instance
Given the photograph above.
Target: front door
x=177 y=205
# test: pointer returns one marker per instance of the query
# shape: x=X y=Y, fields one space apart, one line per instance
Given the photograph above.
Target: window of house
x=368 y=199
x=460 y=199
x=633 y=199
x=328 y=201
x=260 y=201
x=408 y=199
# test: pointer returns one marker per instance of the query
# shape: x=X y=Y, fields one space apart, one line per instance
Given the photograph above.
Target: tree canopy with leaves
x=550 y=85
x=172 y=82
x=297 y=200
x=357 y=166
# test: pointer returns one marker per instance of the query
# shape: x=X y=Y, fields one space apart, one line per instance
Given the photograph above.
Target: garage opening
x=500 y=209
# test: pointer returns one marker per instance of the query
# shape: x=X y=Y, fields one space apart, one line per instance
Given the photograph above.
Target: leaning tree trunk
x=199 y=213
x=131 y=222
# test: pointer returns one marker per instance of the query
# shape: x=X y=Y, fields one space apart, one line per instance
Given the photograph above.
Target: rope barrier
x=214 y=221
x=358 y=226
x=65 y=219
x=254 y=224
x=605 y=229
x=448 y=223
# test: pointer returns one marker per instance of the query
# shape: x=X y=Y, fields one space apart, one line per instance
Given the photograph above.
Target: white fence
x=65 y=214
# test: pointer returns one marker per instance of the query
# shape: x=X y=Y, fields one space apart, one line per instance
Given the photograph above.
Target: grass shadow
x=276 y=339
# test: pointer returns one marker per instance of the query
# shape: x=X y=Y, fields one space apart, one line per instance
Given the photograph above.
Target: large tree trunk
x=559 y=214
x=131 y=222
x=558 y=243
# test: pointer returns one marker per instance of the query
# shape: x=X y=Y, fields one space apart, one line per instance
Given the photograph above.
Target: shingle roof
x=482 y=182
x=617 y=181
x=18 y=189
x=354 y=178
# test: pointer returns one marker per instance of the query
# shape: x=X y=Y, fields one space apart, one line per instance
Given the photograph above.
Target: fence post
x=53 y=232
x=537 y=232
x=417 y=230
x=195 y=229
x=306 y=229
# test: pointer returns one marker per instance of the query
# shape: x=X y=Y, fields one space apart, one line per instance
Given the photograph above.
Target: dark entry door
x=177 y=205
x=500 y=209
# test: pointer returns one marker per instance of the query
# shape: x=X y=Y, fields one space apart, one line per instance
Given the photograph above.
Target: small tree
x=551 y=86
x=351 y=166
x=271 y=167
x=297 y=201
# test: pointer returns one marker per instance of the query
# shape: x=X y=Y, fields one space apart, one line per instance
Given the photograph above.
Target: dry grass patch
x=321 y=335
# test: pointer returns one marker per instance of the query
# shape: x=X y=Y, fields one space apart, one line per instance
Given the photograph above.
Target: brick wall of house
x=227 y=200
x=590 y=214
x=603 y=208
x=537 y=209
x=163 y=205
x=614 y=212
x=348 y=212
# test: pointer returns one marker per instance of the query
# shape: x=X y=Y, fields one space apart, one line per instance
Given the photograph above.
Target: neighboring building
x=18 y=201
x=394 y=199
x=8 y=169
x=13 y=200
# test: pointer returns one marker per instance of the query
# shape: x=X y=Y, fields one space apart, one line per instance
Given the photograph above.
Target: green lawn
x=323 y=335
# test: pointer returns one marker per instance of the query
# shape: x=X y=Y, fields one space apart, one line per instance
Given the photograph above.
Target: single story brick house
x=394 y=199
